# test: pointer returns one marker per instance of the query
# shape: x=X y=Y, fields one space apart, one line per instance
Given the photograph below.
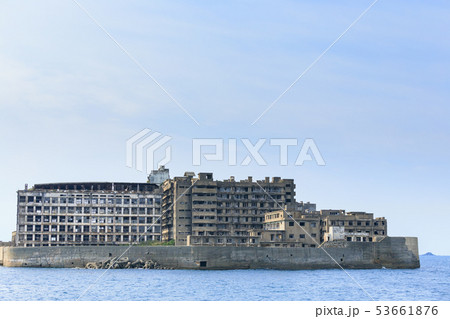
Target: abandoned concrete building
x=215 y=212
x=188 y=210
x=280 y=230
x=355 y=226
x=309 y=229
x=63 y=214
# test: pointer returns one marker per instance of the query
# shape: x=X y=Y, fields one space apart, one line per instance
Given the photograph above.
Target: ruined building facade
x=204 y=211
x=310 y=229
x=188 y=210
x=88 y=214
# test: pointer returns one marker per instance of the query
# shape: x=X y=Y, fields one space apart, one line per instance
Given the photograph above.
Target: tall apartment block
x=66 y=214
x=204 y=211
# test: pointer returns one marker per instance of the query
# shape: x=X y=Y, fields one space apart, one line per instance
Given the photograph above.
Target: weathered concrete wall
x=393 y=252
x=1 y=256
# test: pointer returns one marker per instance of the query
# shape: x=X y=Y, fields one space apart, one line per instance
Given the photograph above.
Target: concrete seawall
x=392 y=252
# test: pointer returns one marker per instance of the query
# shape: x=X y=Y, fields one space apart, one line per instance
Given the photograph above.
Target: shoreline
x=392 y=253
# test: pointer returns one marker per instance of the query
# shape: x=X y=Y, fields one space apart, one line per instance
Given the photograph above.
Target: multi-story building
x=188 y=210
x=309 y=229
x=280 y=230
x=203 y=211
x=354 y=226
x=63 y=214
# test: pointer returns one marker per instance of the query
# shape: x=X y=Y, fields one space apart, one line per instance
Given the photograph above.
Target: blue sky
x=376 y=104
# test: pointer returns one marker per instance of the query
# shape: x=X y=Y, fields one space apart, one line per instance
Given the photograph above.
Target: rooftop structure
x=159 y=176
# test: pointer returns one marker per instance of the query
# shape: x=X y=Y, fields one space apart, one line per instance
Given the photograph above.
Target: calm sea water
x=430 y=282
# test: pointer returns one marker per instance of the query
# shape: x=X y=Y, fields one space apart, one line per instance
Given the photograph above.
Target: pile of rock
x=124 y=263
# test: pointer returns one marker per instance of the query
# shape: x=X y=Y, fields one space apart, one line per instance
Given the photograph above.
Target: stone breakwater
x=124 y=263
x=392 y=252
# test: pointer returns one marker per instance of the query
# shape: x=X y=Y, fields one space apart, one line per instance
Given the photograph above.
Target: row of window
x=89 y=219
x=89 y=210
x=255 y=189
x=273 y=216
x=89 y=238
x=260 y=211
x=279 y=225
x=351 y=223
x=301 y=236
x=202 y=225
x=90 y=229
x=90 y=200
x=207 y=240
x=252 y=196
x=238 y=226
x=234 y=204
x=203 y=217
x=224 y=235
x=241 y=219
x=247 y=204
x=311 y=224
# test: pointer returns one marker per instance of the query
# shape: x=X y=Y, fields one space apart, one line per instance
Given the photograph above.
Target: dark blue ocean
x=430 y=282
